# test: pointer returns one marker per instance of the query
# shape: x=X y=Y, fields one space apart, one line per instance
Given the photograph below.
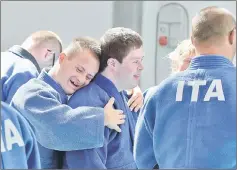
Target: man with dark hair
x=189 y=120
x=43 y=102
x=120 y=69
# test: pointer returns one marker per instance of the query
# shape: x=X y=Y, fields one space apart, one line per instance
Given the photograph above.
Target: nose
x=140 y=67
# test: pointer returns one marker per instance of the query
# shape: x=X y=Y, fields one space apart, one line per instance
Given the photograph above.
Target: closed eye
x=79 y=70
x=89 y=77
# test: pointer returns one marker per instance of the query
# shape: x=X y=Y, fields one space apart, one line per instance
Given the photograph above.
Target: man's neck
x=53 y=72
x=109 y=75
x=33 y=52
x=29 y=49
x=220 y=51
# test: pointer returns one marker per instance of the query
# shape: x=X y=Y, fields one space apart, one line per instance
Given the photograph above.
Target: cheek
x=71 y=71
x=125 y=72
x=132 y=68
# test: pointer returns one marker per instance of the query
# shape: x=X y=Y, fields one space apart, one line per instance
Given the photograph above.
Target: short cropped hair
x=116 y=43
x=45 y=37
x=211 y=24
x=83 y=43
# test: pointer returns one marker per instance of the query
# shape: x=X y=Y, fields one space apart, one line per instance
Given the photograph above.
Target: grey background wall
x=70 y=19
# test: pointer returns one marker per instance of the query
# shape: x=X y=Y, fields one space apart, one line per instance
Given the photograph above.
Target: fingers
x=132 y=99
x=135 y=104
x=119 y=112
x=121 y=116
x=110 y=102
x=122 y=121
x=117 y=128
x=137 y=108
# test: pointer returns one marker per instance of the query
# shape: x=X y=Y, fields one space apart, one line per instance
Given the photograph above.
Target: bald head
x=214 y=27
x=43 y=45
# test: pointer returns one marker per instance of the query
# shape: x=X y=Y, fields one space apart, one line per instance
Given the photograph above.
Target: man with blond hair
x=21 y=63
x=189 y=120
x=181 y=56
x=43 y=102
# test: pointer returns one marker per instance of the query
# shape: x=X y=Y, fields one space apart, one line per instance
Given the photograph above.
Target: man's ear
x=232 y=36
x=46 y=54
x=61 y=57
x=111 y=62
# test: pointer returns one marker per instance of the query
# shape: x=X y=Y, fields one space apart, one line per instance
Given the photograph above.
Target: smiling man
x=43 y=102
x=120 y=69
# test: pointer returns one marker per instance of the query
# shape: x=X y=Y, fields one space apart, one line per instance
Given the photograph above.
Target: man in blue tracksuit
x=19 y=147
x=119 y=70
x=43 y=102
x=19 y=64
x=189 y=120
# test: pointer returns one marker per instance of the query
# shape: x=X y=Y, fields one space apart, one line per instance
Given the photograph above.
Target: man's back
x=18 y=144
x=117 y=149
x=16 y=70
x=195 y=121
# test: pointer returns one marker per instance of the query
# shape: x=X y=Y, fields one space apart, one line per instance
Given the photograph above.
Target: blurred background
x=162 y=24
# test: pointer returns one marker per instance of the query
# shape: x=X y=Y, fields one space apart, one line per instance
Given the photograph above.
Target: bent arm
x=58 y=126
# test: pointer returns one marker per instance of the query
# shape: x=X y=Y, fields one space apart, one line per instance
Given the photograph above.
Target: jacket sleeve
x=57 y=126
x=145 y=158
